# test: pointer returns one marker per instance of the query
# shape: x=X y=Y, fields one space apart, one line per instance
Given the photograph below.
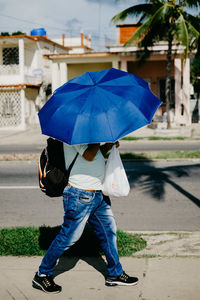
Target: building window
x=11 y=56
x=162 y=96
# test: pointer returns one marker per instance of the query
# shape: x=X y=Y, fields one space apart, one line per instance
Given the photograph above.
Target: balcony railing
x=9 y=70
x=10 y=74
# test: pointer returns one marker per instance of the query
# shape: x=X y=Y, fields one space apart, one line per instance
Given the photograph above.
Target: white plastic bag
x=115 y=181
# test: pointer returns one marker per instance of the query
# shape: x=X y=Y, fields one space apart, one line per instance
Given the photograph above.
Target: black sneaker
x=123 y=279
x=46 y=284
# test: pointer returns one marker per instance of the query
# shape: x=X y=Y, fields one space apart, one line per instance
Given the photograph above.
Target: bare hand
x=110 y=145
x=117 y=144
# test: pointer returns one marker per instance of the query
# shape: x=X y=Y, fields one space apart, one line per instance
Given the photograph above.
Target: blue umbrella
x=96 y=107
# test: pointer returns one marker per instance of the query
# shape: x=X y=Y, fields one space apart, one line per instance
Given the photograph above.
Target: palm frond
x=135 y=10
x=194 y=36
x=157 y=18
x=140 y=33
x=163 y=13
x=182 y=33
x=193 y=30
x=192 y=3
x=193 y=20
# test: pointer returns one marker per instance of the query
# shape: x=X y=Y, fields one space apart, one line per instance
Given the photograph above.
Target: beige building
x=68 y=66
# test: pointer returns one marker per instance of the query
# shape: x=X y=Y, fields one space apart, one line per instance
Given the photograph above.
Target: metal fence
x=10 y=108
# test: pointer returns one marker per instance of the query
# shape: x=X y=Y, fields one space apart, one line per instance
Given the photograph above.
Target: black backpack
x=53 y=176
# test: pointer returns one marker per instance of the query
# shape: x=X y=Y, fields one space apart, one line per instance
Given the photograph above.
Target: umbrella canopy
x=96 y=107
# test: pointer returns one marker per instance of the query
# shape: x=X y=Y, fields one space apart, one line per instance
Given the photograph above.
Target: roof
x=20 y=86
x=90 y=54
x=35 y=38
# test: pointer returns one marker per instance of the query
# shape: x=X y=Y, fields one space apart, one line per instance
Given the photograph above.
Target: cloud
x=74 y=22
x=112 y=2
x=107 y=2
x=73 y=25
x=61 y=16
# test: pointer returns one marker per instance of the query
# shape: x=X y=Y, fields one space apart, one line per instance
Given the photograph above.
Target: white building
x=25 y=78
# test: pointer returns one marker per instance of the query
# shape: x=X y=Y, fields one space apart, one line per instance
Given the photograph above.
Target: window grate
x=11 y=56
x=10 y=108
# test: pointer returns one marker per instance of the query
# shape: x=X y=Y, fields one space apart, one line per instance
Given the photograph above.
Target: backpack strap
x=72 y=163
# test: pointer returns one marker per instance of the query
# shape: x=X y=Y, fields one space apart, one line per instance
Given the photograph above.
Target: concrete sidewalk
x=31 y=135
x=173 y=278
x=169 y=268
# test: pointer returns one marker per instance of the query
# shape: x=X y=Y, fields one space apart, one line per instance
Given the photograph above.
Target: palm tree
x=162 y=20
x=195 y=70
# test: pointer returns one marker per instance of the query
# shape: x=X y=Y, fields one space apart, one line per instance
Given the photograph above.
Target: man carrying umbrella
x=84 y=202
x=93 y=108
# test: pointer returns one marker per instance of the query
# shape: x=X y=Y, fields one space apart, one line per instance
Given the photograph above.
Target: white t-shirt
x=86 y=175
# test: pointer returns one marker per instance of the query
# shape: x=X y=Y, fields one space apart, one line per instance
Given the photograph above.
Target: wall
x=125 y=33
x=152 y=70
x=75 y=70
x=31 y=109
x=29 y=52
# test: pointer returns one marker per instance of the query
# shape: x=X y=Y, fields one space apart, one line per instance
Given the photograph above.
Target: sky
x=93 y=17
x=63 y=16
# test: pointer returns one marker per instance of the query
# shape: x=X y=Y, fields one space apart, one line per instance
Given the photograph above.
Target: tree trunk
x=168 y=79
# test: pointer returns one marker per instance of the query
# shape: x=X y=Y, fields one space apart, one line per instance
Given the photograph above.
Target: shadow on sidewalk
x=87 y=248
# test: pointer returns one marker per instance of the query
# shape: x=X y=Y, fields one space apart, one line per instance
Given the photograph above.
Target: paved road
x=164 y=196
x=126 y=146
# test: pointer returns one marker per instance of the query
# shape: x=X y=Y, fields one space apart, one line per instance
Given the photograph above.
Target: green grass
x=178 y=154
x=32 y=241
x=20 y=241
x=131 y=138
x=157 y=138
x=128 y=243
x=160 y=155
x=153 y=138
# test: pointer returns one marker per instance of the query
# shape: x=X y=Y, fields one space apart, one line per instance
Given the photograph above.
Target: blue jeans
x=80 y=207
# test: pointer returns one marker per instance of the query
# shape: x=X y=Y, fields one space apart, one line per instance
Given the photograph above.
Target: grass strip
x=128 y=243
x=33 y=241
x=153 y=138
x=157 y=138
x=20 y=241
x=178 y=154
x=132 y=138
x=160 y=155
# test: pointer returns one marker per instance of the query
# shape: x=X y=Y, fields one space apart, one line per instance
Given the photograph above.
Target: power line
x=31 y=22
x=52 y=27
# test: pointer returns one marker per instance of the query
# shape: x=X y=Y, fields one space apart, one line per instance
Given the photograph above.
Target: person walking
x=84 y=202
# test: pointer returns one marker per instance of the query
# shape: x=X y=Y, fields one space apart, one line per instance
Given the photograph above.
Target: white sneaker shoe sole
x=115 y=283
